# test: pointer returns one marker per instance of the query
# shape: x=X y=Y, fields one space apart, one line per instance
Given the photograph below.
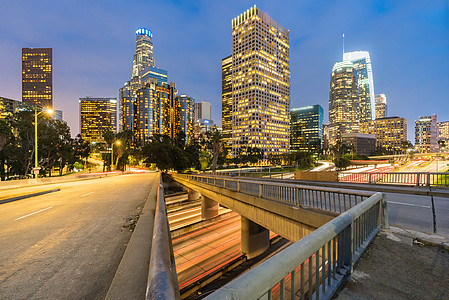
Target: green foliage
x=163 y=152
x=342 y=162
x=77 y=165
x=301 y=159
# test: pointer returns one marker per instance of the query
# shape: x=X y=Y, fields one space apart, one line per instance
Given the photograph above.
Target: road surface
x=68 y=244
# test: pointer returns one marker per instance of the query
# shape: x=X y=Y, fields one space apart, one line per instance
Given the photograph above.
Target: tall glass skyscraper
x=344 y=101
x=306 y=128
x=97 y=115
x=260 y=84
x=144 y=51
x=365 y=83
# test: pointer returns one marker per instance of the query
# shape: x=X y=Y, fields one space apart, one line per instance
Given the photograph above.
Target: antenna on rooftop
x=343 y=45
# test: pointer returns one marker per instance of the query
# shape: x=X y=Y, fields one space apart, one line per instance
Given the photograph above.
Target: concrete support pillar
x=209 y=208
x=193 y=195
x=255 y=239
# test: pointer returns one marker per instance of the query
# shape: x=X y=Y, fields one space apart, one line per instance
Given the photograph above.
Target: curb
x=12 y=199
x=428 y=239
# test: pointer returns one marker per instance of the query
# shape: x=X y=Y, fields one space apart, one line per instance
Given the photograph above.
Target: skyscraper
x=381 y=106
x=203 y=110
x=343 y=101
x=426 y=134
x=37 y=76
x=226 y=100
x=144 y=51
x=443 y=133
x=390 y=132
x=260 y=84
x=186 y=108
x=306 y=128
x=365 y=83
x=97 y=115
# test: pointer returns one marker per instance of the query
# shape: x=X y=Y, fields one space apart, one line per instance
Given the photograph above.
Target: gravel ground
x=399 y=267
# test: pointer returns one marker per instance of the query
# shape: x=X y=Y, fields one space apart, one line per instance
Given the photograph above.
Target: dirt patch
x=394 y=268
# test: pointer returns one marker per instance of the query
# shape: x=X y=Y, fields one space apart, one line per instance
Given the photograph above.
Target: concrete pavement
x=68 y=244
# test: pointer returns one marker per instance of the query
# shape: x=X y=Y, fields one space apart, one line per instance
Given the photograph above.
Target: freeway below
x=68 y=244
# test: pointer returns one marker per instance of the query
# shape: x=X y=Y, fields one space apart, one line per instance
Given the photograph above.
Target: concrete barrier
x=317 y=176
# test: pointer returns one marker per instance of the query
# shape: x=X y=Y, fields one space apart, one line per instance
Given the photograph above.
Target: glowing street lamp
x=48 y=111
x=112 y=153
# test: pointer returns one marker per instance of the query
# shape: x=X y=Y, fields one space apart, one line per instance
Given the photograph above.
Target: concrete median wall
x=317 y=176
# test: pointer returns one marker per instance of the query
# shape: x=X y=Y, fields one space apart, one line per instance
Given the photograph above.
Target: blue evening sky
x=93 y=43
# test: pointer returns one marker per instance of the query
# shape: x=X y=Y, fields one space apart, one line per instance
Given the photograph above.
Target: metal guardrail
x=318 y=263
x=407 y=178
x=330 y=199
x=162 y=277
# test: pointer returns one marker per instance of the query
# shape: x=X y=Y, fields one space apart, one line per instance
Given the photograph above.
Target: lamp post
x=112 y=153
x=48 y=111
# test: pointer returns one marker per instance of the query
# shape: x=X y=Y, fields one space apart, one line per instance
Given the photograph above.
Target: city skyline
x=408 y=44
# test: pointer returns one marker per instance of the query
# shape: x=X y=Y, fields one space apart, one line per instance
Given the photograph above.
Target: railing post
x=238 y=186
x=369 y=178
x=385 y=224
x=417 y=179
x=260 y=190
x=428 y=179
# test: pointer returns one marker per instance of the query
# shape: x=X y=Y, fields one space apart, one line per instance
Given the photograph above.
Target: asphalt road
x=68 y=244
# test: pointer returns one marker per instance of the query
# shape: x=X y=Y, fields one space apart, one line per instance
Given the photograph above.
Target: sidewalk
x=401 y=264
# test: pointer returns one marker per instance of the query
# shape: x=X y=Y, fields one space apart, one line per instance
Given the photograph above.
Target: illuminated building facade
x=226 y=100
x=156 y=111
x=426 y=134
x=381 y=106
x=37 y=76
x=306 y=128
x=186 y=109
x=365 y=83
x=260 y=84
x=361 y=143
x=144 y=51
x=203 y=126
x=10 y=106
x=97 y=115
x=390 y=132
x=443 y=133
x=343 y=101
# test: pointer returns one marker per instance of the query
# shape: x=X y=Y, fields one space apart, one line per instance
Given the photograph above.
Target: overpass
x=331 y=228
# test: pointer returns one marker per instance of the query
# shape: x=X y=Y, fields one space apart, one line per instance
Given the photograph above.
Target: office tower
x=325 y=136
x=203 y=110
x=37 y=76
x=10 y=106
x=426 y=134
x=97 y=115
x=443 y=133
x=186 y=105
x=364 y=75
x=390 y=132
x=343 y=101
x=203 y=126
x=381 y=106
x=359 y=143
x=226 y=100
x=156 y=111
x=260 y=84
x=57 y=115
x=306 y=128
x=144 y=51
x=143 y=71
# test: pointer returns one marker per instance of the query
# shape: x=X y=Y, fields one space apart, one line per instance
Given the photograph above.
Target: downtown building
x=365 y=83
x=37 y=77
x=148 y=104
x=381 y=106
x=306 y=128
x=97 y=115
x=443 y=135
x=426 y=134
x=344 y=102
x=390 y=132
x=260 y=84
x=226 y=101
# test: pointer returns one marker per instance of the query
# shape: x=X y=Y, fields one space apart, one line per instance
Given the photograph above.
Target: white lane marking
x=87 y=194
x=36 y=212
x=408 y=204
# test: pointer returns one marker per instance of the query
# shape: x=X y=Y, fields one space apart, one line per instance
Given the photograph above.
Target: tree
x=162 y=151
x=5 y=136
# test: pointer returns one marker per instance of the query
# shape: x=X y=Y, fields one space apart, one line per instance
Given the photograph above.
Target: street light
x=112 y=153
x=48 y=111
